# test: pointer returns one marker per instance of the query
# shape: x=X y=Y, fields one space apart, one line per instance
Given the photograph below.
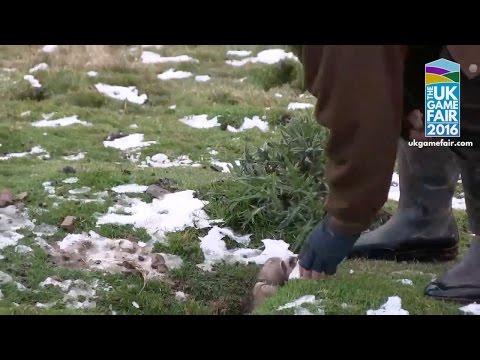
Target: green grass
x=69 y=91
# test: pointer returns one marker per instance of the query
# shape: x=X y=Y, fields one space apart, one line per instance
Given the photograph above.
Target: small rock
x=135 y=305
x=141 y=258
x=216 y=168
x=68 y=223
x=113 y=136
x=167 y=184
x=158 y=262
x=156 y=191
x=69 y=170
x=6 y=198
x=21 y=196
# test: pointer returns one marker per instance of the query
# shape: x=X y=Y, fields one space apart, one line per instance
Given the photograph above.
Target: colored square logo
x=442 y=99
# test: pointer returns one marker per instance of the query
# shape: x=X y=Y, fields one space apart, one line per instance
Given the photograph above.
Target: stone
x=68 y=223
x=156 y=191
x=6 y=198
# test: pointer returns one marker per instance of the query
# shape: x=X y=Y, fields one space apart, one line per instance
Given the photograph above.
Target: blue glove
x=325 y=248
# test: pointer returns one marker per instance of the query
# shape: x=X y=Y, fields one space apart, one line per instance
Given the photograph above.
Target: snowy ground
x=155 y=114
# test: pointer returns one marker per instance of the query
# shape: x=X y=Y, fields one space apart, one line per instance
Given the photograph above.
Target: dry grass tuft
x=91 y=56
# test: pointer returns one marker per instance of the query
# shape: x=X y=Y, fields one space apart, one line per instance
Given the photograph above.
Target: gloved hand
x=323 y=250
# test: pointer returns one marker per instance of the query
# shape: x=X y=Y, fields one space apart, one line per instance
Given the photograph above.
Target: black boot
x=423 y=228
x=462 y=282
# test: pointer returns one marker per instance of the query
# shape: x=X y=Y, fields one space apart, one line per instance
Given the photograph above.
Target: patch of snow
x=25 y=113
x=79 y=156
x=172 y=74
x=174 y=212
x=117 y=255
x=48 y=187
x=36 y=150
x=92 y=73
x=74 y=289
x=180 y=296
x=299 y=106
x=302 y=311
x=149 y=57
x=172 y=107
x=393 y=306
x=225 y=166
x=22 y=249
x=297 y=305
x=406 y=282
x=5 y=278
x=250 y=124
x=239 y=53
x=351 y=272
x=46 y=305
x=133 y=126
x=49 y=48
x=459 y=203
x=215 y=250
x=66 y=121
x=129 y=188
x=200 y=121
x=278 y=95
x=270 y=56
x=162 y=161
x=133 y=141
x=45 y=230
x=33 y=81
x=202 y=78
x=70 y=180
x=11 y=220
x=82 y=190
x=471 y=309
x=63 y=285
x=122 y=93
x=39 y=67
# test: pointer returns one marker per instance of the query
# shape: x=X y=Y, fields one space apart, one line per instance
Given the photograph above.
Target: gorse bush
x=278 y=190
x=285 y=72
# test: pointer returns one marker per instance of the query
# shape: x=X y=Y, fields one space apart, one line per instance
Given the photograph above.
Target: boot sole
x=459 y=300
x=418 y=254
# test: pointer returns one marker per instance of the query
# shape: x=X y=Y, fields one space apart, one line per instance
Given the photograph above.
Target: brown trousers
x=359 y=91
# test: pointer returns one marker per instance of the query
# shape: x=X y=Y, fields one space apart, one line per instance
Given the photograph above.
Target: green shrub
x=22 y=90
x=62 y=81
x=278 y=190
x=88 y=98
x=285 y=72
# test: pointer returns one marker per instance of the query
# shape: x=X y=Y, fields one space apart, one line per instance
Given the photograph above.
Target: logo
x=442 y=99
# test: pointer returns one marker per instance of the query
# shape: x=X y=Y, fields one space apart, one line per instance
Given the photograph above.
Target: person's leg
x=462 y=282
x=423 y=228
